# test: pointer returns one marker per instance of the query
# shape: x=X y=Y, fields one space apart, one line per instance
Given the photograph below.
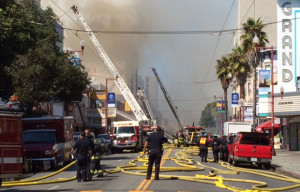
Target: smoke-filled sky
x=181 y=60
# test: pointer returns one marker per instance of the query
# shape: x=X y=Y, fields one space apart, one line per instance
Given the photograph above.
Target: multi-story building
x=281 y=25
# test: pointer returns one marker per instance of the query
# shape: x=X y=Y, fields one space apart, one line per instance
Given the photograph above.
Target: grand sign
x=287 y=28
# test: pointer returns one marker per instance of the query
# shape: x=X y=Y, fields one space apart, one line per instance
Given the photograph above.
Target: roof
x=267 y=125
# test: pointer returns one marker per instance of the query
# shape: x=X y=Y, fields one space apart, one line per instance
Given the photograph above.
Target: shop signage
x=288 y=28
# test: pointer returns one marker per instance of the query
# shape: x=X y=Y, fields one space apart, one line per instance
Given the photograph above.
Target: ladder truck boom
x=173 y=108
x=137 y=110
x=141 y=95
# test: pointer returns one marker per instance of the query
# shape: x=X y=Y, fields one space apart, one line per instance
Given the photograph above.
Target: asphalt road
x=128 y=182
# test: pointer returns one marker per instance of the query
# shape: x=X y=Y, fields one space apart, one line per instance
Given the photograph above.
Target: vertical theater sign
x=288 y=50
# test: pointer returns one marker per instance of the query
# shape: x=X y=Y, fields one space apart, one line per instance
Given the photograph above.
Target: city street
x=194 y=176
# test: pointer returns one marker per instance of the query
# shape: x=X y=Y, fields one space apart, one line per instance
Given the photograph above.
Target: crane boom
x=137 y=110
x=141 y=95
x=173 y=108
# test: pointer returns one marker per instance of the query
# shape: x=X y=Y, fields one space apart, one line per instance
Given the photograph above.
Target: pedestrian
x=203 y=146
x=98 y=153
x=155 y=141
x=216 y=148
x=83 y=154
x=224 y=148
x=91 y=137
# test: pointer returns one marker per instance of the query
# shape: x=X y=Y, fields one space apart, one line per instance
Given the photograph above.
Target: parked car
x=250 y=147
x=107 y=139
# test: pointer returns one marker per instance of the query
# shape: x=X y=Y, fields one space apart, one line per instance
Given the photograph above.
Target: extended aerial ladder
x=173 y=108
x=142 y=96
x=137 y=110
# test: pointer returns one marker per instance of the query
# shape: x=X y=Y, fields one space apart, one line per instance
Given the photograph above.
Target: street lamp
x=255 y=41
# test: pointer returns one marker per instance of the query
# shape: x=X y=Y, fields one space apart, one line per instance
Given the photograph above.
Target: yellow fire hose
x=186 y=163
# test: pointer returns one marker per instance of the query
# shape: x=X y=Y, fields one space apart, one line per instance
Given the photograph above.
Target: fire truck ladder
x=142 y=96
x=137 y=110
x=173 y=108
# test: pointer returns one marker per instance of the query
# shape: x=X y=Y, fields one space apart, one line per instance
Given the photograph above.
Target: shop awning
x=267 y=125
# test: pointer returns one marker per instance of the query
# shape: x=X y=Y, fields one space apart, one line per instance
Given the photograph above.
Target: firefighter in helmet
x=98 y=153
x=203 y=146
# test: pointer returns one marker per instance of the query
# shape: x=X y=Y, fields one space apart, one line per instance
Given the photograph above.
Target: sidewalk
x=287 y=162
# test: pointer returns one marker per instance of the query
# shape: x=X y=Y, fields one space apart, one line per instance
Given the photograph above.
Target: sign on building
x=288 y=49
x=99 y=95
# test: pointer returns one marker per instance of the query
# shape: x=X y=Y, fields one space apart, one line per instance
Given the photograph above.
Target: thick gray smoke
x=180 y=59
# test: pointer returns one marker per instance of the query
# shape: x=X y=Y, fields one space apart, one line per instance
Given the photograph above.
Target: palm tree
x=223 y=72
x=239 y=68
x=253 y=28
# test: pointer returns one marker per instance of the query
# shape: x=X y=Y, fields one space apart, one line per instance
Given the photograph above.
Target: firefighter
x=224 y=148
x=216 y=148
x=98 y=153
x=83 y=153
x=203 y=145
x=155 y=141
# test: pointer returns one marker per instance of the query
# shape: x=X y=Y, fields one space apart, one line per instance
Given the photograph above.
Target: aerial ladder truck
x=173 y=108
x=134 y=105
x=142 y=96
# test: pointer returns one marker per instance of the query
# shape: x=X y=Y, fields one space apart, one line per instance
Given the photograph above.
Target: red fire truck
x=11 y=143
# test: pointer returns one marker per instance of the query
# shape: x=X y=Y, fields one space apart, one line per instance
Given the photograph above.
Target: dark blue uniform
x=155 y=140
x=82 y=147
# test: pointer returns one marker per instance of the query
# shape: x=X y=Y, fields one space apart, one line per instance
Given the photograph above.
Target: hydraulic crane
x=173 y=108
x=137 y=110
x=142 y=96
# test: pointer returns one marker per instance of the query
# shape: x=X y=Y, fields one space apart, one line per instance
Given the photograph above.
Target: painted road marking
x=53 y=188
x=146 y=182
x=92 y=191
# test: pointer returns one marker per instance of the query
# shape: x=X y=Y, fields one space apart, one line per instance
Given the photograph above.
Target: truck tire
x=54 y=164
x=235 y=162
x=0 y=182
x=267 y=166
x=112 y=150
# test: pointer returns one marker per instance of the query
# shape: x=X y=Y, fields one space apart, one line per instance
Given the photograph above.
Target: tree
x=15 y=39
x=223 y=71
x=252 y=28
x=239 y=68
x=207 y=115
x=40 y=71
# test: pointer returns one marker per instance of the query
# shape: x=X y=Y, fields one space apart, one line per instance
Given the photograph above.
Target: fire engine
x=126 y=135
x=11 y=143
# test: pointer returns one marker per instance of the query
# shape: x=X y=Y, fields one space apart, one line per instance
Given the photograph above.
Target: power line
x=216 y=47
x=179 y=32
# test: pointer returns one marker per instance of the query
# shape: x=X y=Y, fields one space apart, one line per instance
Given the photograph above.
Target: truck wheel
x=230 y=160
x=267 y=166
x=235 y=162
x=135 y=150
x=54 y=164
x=259 y=165
x=112 y=150
x=0 y=182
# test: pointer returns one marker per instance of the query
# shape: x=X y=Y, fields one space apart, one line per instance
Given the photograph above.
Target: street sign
x=111 y=100
x=75 y=61
x=220 y=111
x=235 y=100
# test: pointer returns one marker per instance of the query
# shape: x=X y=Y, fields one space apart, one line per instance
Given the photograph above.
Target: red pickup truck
x=250 y=147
